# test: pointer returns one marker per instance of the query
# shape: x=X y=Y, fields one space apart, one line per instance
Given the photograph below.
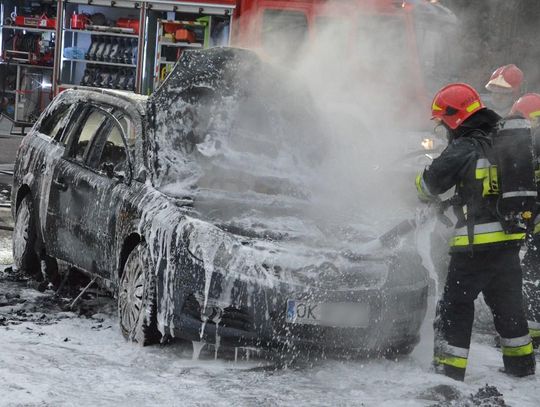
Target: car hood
x=277 y=240
x=250 y=255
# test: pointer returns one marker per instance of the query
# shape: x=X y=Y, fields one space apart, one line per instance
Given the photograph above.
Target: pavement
x=8 y=150
x=9 y=143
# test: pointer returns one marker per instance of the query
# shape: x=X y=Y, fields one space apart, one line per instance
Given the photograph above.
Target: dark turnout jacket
x=464 y=164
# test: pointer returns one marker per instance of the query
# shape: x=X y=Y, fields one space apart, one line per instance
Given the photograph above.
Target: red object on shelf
x=184 y=35
x=46 y=22
x=128 y=23
x=170 y=28
x=26 y=21
x=79 y=21
x=38 y=22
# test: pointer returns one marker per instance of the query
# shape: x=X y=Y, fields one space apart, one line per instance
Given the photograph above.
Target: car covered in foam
x=200 y=208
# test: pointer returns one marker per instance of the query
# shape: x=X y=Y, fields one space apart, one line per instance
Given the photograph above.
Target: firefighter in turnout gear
x=483 y=256
x=528 y=107
x=505 y=86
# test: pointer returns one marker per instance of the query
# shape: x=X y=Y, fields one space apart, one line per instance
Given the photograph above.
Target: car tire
x=25 y=257
x=399 y=351
x=137 y=302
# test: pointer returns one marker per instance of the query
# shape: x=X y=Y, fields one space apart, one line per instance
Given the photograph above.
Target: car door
x=94 y=165
x=39 y=160
x=111 y=160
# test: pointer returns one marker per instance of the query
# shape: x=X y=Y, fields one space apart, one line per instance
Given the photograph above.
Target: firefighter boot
x=518 y=356
x=453 y=372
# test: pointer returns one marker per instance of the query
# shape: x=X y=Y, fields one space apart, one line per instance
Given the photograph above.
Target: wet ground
x=54 y=354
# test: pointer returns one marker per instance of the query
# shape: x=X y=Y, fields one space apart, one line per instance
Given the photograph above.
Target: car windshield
x=243 y=140
x=262 y=140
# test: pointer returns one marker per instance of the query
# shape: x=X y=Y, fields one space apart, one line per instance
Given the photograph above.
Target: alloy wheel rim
x=131 y=296
x=21 y=235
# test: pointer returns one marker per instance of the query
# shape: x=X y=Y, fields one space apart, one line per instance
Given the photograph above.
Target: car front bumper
x=395 y=317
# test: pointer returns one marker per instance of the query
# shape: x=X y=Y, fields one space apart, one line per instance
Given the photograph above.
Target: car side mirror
x=108 y=169
x=142 y=175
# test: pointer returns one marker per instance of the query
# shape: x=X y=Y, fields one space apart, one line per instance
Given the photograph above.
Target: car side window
x=54 y=123
x=113 y=159
x=129 y=130
x=92 y=123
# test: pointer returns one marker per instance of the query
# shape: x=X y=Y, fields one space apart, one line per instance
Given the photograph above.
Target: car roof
x=139 y=101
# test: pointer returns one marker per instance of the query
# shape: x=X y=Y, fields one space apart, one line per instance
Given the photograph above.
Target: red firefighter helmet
x=455 y=103
x=527 y=106
x=506 y=79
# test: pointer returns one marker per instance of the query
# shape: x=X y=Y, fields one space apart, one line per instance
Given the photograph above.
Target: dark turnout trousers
x=497 y=274
x=531 y=287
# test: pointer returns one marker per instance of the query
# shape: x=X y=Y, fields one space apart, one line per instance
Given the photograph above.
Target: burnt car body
x=193 y=206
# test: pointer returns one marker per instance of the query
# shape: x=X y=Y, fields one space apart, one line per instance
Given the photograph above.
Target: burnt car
x=197 y=208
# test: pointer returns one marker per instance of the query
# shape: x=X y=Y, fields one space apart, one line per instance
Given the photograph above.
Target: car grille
x=230 y=317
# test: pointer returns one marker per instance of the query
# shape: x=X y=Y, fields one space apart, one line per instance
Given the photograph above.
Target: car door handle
x=60 y=184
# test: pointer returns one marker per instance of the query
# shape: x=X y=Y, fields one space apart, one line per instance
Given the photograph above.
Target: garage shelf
x=97 y=32
x=17 y=63
x=88 y=61
x=180 y=44
x=29 y=29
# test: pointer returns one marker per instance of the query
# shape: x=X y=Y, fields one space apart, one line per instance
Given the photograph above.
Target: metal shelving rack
x=31 y=91
x=72 y=69
x=162 y=67
x=67 y=70
x=199 y=16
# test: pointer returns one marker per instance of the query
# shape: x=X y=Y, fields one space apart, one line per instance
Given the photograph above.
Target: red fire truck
x=372 y=48
x=390 y=46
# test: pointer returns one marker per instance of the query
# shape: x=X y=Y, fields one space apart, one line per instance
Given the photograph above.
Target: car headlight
x=406 y=269
x=428 y=144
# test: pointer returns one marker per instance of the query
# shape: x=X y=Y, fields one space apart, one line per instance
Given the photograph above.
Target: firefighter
x=528 y=107
x=505 y=87
x=483 y=258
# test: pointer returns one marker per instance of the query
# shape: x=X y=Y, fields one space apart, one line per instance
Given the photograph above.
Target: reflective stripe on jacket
x=485 y=233
x=487 y=173
x=536 y=229
x=422 y=190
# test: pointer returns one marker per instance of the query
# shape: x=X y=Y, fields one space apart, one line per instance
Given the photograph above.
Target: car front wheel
x=137 y=299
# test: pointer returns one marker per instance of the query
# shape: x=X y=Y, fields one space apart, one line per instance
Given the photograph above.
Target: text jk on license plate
x=339 y=315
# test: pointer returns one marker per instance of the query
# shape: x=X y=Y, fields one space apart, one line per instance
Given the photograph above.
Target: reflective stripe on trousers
x=484 y=233
x=521 y=346
x=534 y=329
x=446 y=354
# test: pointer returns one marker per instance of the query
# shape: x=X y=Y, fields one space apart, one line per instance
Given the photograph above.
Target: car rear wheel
x=137 y=299
x=25 y=257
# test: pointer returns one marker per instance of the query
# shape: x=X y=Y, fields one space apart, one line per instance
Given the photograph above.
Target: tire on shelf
x=137 y=299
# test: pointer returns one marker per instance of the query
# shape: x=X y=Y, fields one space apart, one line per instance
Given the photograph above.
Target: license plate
x=339 y=315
